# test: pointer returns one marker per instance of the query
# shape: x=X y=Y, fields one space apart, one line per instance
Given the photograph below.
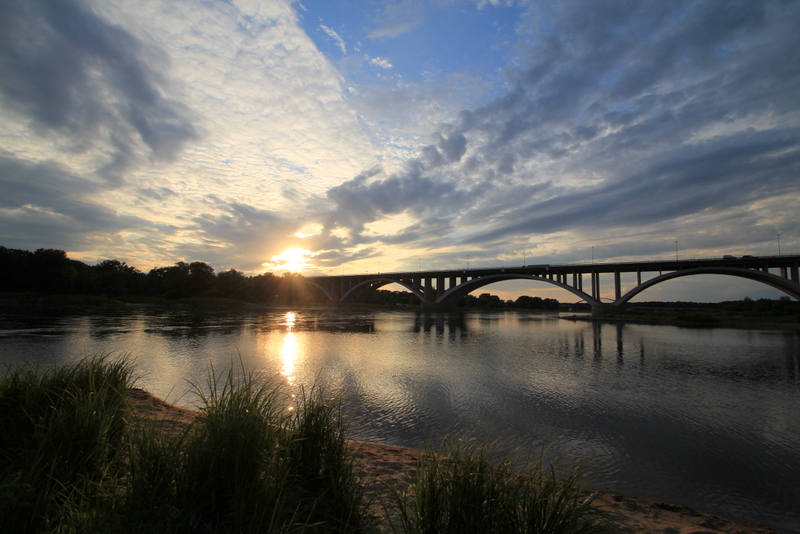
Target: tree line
x=51 y=271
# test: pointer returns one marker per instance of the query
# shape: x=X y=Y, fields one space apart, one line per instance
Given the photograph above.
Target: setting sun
x=294 y=259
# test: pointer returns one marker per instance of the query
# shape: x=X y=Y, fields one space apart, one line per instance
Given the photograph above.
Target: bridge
x=443 y=289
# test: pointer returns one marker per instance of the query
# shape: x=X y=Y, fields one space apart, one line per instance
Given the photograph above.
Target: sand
x=381 y=466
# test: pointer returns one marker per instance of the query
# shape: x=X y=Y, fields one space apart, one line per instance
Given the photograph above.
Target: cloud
x=169 y=104
x=397 y=18
x=336 y=37
x=381 y=62
x=618 y=115
x=158 y=193
x=241 y=235
x=72 y=73
x=43 y=204
x=734 y=172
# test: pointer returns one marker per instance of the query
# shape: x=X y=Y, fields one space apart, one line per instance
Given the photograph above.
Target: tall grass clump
x=250 y=465
x=62 y=432
x=321 y=470
x=474 y=487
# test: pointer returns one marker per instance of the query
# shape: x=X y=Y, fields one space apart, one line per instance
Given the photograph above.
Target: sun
x=294 y=260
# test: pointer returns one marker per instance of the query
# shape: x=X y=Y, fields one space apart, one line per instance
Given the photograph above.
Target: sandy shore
x=383 y=465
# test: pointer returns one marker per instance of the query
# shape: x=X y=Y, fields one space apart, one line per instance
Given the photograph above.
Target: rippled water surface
x=708 y=418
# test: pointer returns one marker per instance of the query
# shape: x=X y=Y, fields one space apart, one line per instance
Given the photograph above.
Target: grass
x=474 y=487
x=73 y=460
x=62 y=434
x=251 y=465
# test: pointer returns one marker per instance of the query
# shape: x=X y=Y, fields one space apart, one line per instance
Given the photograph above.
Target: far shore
x=658 y=317
x=697 y=317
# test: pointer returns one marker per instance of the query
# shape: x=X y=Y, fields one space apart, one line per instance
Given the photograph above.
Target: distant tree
x=110 y=277
x=14 y=275
x=487 y=300
x=50 y=271
x=232 y=284
x=528 y=302
x=468 y=301
x=262 y=288
x=292 y=290
x=168 y=282
x=201 y=279
x=551 y=304
x=782 y=306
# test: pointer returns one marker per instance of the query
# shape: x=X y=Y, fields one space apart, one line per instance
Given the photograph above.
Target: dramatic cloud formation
x=399 y=134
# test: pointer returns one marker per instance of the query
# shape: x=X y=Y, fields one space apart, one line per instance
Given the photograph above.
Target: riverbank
x=693 y=319
x=383 y=467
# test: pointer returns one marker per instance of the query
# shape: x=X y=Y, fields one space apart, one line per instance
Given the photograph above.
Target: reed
x=321 y=470
x=474 y=486
x=62 y=432
x=251 y=465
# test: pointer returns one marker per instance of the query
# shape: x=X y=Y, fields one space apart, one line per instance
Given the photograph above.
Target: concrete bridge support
x=595 y=285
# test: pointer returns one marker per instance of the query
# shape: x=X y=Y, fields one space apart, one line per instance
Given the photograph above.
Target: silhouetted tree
x=528 y=302
x=51 y=271
x=233 y=284
x=200 y=280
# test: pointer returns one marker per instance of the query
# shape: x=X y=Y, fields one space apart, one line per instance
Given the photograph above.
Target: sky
x=349 y=136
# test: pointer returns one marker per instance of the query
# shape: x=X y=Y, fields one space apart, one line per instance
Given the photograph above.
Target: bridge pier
x=595 y=285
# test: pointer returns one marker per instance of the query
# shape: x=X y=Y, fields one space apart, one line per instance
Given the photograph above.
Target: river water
x=707 y=418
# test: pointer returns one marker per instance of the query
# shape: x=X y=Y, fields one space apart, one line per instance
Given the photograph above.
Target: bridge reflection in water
x=445 y=288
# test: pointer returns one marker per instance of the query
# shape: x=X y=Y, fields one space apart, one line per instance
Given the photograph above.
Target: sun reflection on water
x=289 y=354
x=290 y=349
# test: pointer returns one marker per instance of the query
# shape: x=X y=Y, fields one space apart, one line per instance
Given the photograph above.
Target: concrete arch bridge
x=443 y=289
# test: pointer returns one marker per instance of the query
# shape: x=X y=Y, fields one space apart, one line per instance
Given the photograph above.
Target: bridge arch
x=778 y=282
x=454 y=294
x=321 y=288
x=376 y=283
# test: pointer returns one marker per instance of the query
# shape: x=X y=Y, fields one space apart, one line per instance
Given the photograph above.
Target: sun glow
x=294 y=260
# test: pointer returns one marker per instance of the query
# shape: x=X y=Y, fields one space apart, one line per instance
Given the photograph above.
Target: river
x=704 y=417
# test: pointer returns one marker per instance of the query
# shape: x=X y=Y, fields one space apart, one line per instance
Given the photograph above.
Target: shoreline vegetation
x=696 y=317
x=84 y=450
x=762 y=313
